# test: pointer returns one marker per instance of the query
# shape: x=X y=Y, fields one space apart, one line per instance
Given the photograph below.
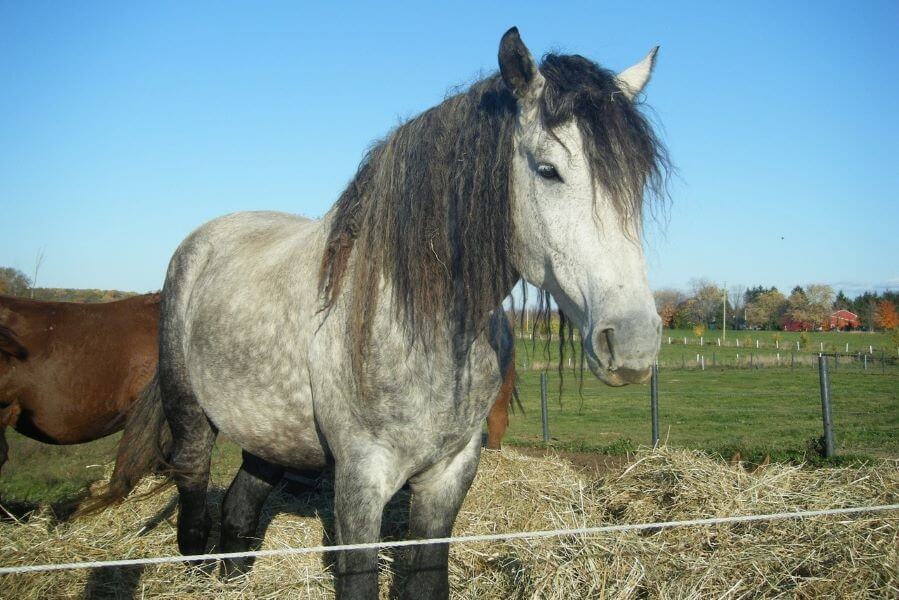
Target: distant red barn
x=791 y=325
x=843 y=319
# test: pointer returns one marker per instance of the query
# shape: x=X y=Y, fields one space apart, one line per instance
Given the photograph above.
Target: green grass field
x=772 y=410
x=765 y=411
x=742 y=348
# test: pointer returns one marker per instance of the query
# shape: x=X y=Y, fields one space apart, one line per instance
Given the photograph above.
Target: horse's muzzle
x=624 y=354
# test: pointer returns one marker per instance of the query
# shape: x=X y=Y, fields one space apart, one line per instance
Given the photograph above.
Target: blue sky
x=124 y=126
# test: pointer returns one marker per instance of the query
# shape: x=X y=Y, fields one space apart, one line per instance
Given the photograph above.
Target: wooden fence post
x=543 y=408
x=654 y=404
x=825 y=406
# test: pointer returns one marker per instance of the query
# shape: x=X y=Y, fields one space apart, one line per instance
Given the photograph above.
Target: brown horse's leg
x=498 y=418
x=8 y=417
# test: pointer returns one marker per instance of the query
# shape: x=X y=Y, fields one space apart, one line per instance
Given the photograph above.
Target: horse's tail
x=144 y=448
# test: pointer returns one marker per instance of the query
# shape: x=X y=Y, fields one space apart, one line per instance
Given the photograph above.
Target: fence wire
x=465 y=539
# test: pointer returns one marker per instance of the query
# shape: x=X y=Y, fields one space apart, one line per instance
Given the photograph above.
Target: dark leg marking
x=192 y=439
x=433 y=509
x=359 y=500
x=242 y=507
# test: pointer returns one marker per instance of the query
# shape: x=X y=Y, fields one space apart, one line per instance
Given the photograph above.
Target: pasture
x=757 y=412
x=775 y=411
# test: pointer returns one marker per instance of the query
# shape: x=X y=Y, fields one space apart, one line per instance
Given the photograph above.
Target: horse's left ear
x=518 y=68
x=633 y=79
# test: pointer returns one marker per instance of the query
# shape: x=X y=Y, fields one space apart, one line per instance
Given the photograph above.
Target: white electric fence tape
x=455 y=540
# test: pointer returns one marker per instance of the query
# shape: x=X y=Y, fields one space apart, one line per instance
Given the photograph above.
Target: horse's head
x=582 y=157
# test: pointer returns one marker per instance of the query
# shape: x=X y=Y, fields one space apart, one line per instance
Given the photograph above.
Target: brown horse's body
x=70 y=372
x=498 y=417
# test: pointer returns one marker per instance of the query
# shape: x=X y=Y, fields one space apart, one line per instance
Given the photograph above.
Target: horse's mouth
x=616 y=377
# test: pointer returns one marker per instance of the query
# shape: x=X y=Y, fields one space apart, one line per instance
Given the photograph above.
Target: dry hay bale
x=845 y=557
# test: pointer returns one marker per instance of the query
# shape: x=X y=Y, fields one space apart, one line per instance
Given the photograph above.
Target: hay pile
x=814 y=558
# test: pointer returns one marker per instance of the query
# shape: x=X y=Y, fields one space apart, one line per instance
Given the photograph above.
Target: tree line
x=760 y=307
x=14 y=282
x=757 y=307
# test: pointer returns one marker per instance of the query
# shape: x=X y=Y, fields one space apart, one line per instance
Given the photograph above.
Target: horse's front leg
x=362 y=487
x=437 y=496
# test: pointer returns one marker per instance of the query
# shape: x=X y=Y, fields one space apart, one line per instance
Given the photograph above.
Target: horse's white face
x=571 y=240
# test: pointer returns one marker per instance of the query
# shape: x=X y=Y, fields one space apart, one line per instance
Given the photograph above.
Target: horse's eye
x=547 y=171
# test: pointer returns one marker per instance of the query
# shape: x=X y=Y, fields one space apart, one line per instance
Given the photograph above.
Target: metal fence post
x=825 y=406
x=543 y=408
x=654 y=404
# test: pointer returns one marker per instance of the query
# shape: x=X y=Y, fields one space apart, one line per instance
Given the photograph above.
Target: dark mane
x=429 y=208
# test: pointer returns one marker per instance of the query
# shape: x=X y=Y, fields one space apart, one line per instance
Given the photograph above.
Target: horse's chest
x=426 y=410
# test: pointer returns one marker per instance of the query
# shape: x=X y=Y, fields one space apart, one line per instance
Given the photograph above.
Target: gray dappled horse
x=389 y=366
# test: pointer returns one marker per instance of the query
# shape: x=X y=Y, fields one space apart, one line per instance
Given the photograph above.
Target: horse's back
x=79 y=366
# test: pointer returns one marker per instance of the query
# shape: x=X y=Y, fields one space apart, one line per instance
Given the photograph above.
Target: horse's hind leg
x=437 y=496
x=242 y=506
x=192 y=439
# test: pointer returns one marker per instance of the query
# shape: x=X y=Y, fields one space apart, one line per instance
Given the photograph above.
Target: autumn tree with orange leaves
x=885 y=315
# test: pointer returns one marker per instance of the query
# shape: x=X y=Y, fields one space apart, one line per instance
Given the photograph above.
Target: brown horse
x=498 y=417
x=70 y=372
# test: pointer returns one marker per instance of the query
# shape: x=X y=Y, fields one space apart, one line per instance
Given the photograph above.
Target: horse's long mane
x=429 y=208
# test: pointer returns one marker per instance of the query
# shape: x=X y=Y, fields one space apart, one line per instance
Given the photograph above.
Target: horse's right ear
x=517 y=66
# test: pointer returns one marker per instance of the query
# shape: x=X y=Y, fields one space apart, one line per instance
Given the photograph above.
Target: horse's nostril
x=608 y=339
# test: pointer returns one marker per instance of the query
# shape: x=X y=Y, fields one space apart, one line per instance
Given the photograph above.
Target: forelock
x=624 y=155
